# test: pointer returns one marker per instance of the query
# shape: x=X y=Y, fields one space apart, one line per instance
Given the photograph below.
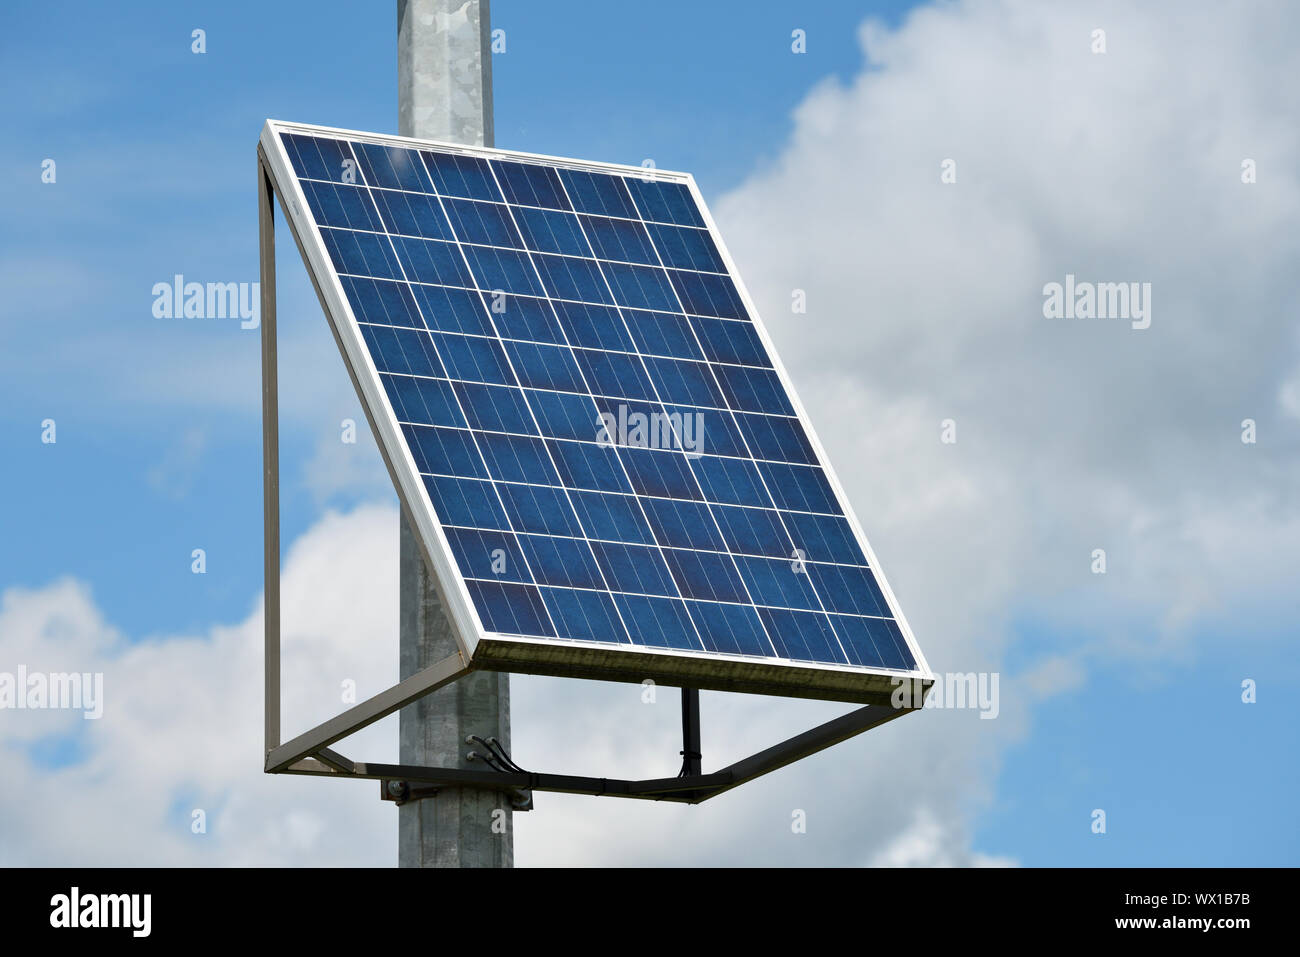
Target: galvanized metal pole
x=444 y=75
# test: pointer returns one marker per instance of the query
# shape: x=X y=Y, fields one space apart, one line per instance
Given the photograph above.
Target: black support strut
x=691 y=757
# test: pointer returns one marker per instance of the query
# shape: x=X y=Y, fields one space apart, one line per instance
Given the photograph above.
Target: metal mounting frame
x=310 y=753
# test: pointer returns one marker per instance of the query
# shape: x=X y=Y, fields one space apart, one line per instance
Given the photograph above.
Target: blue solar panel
x=605 y=441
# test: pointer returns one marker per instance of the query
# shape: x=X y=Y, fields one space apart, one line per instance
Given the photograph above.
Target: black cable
x=493 y=745
x=500 y=760
x=500 y=752
x=686 y=761
x=487 y=759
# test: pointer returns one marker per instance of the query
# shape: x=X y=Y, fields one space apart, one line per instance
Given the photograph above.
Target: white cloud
x=925 y=843
x=344 y=468
x=182 y=721
x=1288 y=396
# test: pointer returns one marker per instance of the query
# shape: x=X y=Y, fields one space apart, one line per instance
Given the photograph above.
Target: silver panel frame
x=477 y=648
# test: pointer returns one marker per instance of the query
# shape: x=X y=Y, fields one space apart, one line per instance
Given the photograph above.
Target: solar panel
x=607 y=466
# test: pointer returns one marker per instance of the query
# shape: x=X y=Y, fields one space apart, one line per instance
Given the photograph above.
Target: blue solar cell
x=593 y=327
x=619 y=239
x=664 y=201
x=615 y=374
x=464 y=176
x=567 y=277
x=440 y=451
x=663 y=334
x=705 y=575
x=473 y=358
x=540 y=366
x=712 y=432
x=776 y=437
x=800 y=488
x=640 y=287
x=730 y=629
x=681 y=382
x=391 y=167
x=683 y=524
x=615 y=518
x=584 y=615
x=382 y=302
x=595 y=416
x=683 y=248
x=562 y=415
x=487 y=224
x=428 y=260
x=490 y=555
x=658 y=622
x=561 y=561
x=643 y=425
x=362 y=254
x=753 y=390
x=423 y=401
x=346 y=207
x=494 y=408
x=634 y=568
x=873 y=642
x=824 y=538
x=625 y=422
x=540 y=509
x=665 y=474
x=551 y=231
x=528 y=185
x=773 y=581
x=319 y=158
x=516 y=458
x=448 y=309
x=407 y=351
x=585 y=465
x=510 y=609
x=410 y=214
x=507 y=270
x=754 y=531
x=730 y=481
x=598 y=193
x=706 y=294
x=687 y=430
x=521 y=317
x=802 y=635
x=848 y=589
x=731 y=342
x=468 y=502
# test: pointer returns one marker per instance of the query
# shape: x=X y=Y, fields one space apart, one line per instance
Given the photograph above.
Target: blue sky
x=159 y=448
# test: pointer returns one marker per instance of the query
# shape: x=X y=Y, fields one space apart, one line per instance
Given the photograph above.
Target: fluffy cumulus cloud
x=181 y=729
x=924 y=304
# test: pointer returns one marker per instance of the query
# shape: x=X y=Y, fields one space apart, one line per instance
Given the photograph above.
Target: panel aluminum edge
x=374 y=399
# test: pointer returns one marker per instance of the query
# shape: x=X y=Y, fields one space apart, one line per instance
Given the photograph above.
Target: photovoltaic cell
x=596 y=417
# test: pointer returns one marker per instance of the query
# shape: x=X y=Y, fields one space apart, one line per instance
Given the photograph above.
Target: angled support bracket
x=315 y=743
x=308 y=752
x=400 y=783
